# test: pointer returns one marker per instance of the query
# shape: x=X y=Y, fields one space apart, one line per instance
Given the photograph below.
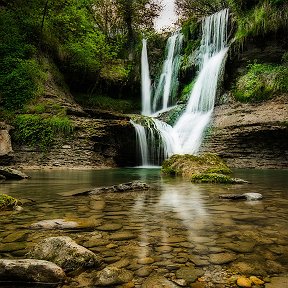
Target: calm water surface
x=177 y=224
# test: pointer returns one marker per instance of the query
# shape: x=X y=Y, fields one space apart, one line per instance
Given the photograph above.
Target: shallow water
x=177 y=224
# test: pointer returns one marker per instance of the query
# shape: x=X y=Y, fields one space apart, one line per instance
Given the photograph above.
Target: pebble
x=244 y=282
x=256 y=280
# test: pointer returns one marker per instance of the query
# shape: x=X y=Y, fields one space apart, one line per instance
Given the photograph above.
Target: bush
x=38 y=131
x=261 y=82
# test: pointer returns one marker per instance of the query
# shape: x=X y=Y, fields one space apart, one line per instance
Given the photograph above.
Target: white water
x=145 y=81
x=168 y=81
x=187 y=134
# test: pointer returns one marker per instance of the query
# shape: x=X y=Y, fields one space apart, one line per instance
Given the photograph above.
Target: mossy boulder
x=205 y=168
x=8 y=203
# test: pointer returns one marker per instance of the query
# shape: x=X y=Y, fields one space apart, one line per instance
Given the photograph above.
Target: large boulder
x=64 y=252
x=205 y=168
x=12 y=174
x=30 y=271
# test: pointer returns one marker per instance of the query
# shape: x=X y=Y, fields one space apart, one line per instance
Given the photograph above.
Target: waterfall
x=187 y=134
x=145 y=81
x=212 y=54
x=168 y=80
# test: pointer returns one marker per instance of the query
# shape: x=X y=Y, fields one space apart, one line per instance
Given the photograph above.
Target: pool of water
x=173 y=226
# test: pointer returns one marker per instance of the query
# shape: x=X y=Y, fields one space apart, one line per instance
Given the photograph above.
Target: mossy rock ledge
x=205 y=168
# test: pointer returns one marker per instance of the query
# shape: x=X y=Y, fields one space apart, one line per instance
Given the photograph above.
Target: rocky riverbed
x=180 y=235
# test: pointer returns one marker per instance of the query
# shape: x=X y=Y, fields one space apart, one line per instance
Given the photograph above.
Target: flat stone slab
x=30 y=271
x=277 y=282
x=222 y=258
x=54 y=224
x=120 y=188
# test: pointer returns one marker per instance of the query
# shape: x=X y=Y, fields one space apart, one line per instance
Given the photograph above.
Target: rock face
x=5 y=144
x=30 y=271
x=252 y=136
x=13 y=174
x=64 y=252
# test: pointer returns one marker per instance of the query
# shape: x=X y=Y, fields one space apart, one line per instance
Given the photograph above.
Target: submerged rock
x=111 y=276
x=158 y=281
x=13 y=174
x=54 y=224
x=245 y=196
x=30 y=271
x=64 y=252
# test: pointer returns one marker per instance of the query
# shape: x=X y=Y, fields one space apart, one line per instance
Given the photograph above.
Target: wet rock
x=12 y=174
x=158 y=281
x=255 y=280
x=30 y=271
x=124 y=187
x=11 y=247
x=95 y=241
x=144 y=271
x=249 y=268
x=245 y=196
x=15 y=236
x=222 y=258
x=244 y=282
x=54 y=224
x=109 y=227
x=241 y=247
x=198 y=261
x=64 y=252
x=145 y=261
x=120 y=236
x=277 y=282
x=110 y=276
x=189 y=274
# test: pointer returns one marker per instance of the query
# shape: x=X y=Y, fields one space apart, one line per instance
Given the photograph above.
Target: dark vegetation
x=92 y=48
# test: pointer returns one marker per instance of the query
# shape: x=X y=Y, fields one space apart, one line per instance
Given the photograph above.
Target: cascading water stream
x=168 y=80
x=187 y=134
x=145 y=81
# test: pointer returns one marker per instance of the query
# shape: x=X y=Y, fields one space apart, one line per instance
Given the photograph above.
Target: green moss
x=261 y=82
x=188 y=165
x=212 y=178
x=8 y=202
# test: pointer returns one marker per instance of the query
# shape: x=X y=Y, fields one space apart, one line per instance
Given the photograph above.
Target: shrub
x=38 y=131
x=261 y=82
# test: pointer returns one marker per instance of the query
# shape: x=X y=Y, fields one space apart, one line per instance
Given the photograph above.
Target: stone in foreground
x=30 y=271
x=64 y=252
x=13 y=174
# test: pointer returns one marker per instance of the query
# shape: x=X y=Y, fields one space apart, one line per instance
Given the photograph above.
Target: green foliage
x=8 y=202
x=186 y=92
x=21 y=77
x=39 y=131
x=261 y=82
x=264 y=18
x=105 y=103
